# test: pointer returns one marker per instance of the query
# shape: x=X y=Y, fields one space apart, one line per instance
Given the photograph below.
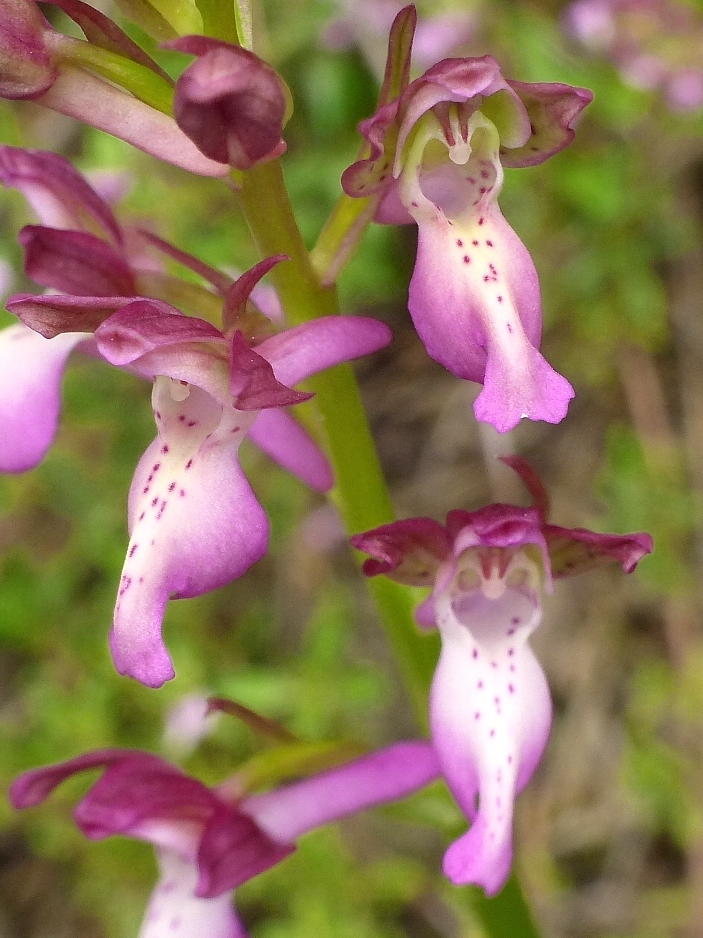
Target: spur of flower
x=209 y=841
x=195 y=523
x=490 y=710
x=435 y=155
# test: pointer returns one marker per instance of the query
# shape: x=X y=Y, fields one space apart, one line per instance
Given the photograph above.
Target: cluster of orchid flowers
x=435 y=153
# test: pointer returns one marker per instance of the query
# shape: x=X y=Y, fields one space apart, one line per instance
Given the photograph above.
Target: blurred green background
x=609 y=836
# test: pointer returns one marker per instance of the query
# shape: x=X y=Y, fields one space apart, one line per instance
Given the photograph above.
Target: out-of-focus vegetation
x=610 y=833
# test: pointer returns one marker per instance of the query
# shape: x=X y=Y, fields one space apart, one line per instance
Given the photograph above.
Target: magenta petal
x=282 y=438
x=409 y=551
x=253 y=383
x=33 y=787
x=74 y=262
x=552 y=109
x=304 y=350
x=384 y=775
x=239 y=292
x=195 y=523
x=52 y=315
x=31 y=369
x=59 y=195
x=234 y=849
x=143 y=326
x=574 y=550
x=175 y=911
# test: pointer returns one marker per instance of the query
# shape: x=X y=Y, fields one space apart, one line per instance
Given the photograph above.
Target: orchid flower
x=207 y=841
x=108 y=81
x=194 y=522
x=490 y=710
x=436 y=154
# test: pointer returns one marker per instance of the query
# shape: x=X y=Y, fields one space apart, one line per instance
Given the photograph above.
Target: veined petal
x=195 y=523
x=53 y=314
x=233 y=849
x=142 y=326
x=31 y=369
x=381 y=776
x=409 y=551
x=253 y=383
x=574 y=550
x=282 y=438
x=33 y=787
x=74 y=262
x=174 y=910
x=552 y=109
x=313 y=346
x=59 y=195
x=490 y=717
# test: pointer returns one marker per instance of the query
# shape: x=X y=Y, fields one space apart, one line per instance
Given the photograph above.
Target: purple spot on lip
x=481 y=221
x=474 y=653
x=515 y=620
x=189 y=464
x=477 y=715
x=459 y=243
x=192 y=423
x=141 y=516
x=164 y=448
x=511 y=688
x=133 y=550
x=467 y=259
x=172 y=486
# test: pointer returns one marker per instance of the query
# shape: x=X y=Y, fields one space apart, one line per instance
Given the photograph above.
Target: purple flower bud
x=26 y=68
x=230 y=103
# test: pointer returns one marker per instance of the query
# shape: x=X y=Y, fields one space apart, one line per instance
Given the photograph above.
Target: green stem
x=340 y=236
x=360 y=493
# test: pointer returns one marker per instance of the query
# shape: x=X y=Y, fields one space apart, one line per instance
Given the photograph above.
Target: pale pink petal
x=195 y=523
x=31 y=369
x=384 y=775
x=81 y=95
x=304 y=350
x=490 y=717
x=174 y=911
x=474 y=298
x=282 y=438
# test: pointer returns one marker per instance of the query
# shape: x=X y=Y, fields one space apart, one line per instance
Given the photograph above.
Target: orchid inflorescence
x=224 y=357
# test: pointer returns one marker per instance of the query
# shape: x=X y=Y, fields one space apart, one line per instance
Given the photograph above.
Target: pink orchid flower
x=490 y=710
x=208 y=842
x=436 y=154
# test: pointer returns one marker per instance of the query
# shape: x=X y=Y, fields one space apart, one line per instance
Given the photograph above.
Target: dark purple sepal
x=229 y=102
x=26 y=67
x=35 y=786
x=59 y=195
x=238 y=293
x=137 y=790
x=552 y=109
x=232 y=850
x=497 y=526
x=51 y=315
x=74 y=262
x=101 y=31
x=141 y=326
x=575 y=550
x=253 y=383
x=409 y=551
